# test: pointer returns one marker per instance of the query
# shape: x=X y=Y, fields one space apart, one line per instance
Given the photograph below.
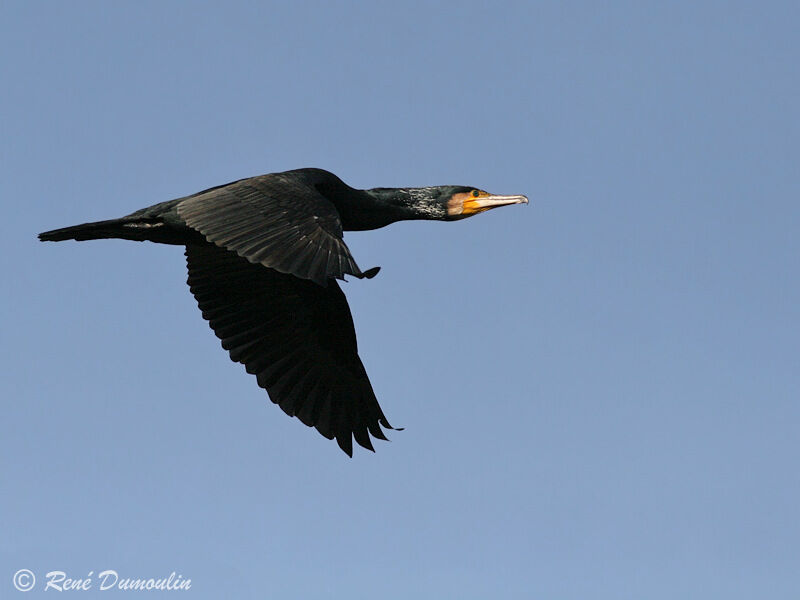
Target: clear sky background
x=601 y=390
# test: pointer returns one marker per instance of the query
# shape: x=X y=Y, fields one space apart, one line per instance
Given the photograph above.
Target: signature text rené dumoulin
x=110 y=579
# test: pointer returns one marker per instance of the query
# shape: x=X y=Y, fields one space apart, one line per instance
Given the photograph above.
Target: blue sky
x=600 y=390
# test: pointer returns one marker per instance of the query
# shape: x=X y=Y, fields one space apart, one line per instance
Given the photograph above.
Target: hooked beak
x=473 y=206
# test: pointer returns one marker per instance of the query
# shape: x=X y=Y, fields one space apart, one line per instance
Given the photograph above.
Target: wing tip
x=370 y=273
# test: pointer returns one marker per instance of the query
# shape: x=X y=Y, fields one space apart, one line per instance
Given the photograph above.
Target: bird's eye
x=475 y=193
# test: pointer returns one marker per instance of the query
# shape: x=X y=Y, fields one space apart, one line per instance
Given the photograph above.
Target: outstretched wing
x=276 y=221
x=297 y=338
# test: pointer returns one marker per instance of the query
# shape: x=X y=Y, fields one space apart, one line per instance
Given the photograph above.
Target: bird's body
x=264 y=255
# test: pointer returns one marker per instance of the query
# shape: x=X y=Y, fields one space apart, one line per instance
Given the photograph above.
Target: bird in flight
x=264 y=254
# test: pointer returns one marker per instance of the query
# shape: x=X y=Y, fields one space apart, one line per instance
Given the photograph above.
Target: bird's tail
x=125 y=228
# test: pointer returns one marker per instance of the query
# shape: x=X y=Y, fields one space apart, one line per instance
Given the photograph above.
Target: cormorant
x=264 y=255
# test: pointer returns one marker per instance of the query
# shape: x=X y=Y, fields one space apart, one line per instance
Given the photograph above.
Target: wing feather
x=296 y=337
x=277 y=221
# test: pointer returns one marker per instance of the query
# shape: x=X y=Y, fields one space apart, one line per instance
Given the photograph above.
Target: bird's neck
x=381 y=206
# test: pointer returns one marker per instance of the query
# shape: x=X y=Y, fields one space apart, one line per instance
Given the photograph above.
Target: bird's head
x=462 y=202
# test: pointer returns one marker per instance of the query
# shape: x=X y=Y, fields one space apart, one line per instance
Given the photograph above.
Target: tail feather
x=125 y=228
x=87 y=231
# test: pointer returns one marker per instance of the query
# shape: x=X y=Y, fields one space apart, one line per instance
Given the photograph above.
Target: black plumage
x=264 y=255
